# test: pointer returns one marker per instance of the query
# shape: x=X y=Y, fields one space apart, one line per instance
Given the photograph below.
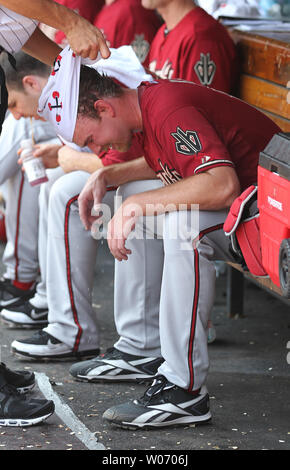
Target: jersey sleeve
x=190 y=143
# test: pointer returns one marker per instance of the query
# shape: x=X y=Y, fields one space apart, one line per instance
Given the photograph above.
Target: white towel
x=58 y=102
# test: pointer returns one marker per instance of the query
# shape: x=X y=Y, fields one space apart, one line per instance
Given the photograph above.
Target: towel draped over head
x=58 y=102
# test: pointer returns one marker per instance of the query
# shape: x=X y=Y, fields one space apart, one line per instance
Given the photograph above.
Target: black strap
x=11 y=59
x=3 y=97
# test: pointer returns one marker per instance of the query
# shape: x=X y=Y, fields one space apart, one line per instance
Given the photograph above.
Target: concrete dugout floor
x=248 y=383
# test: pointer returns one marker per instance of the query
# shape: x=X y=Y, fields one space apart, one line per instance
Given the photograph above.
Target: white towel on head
x=124 y=65
x=58 y=102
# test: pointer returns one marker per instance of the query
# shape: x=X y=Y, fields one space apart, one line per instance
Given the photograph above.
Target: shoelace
x=157 y=387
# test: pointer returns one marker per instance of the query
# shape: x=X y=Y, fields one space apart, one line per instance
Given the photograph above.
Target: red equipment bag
x=243 y=228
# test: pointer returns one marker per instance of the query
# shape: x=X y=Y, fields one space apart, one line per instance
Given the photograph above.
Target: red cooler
x=274 y=208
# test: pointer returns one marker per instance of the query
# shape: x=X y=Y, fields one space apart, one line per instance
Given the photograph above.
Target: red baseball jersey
x=126 y=22
x=189 y=128
x=86 y=8
x=198 y=49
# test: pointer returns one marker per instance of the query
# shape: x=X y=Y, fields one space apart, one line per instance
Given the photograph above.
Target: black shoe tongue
x=150 y=391
x=157 y=384
x=3 y=380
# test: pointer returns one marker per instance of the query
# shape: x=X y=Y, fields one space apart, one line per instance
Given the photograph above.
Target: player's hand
x=91 y=197
x=66 y=159
x=48 y=153
x=119 y=229
x=86 y=40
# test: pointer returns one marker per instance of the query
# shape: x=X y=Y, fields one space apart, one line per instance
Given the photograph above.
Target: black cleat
x=11 y=295
x=22 y=380
x=19 y=410
x=24 y=315
x=116 y=366
x=163 y=405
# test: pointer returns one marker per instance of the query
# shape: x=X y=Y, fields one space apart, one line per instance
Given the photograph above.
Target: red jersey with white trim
x=190 y=128
x=198 y=49
x=126 y=22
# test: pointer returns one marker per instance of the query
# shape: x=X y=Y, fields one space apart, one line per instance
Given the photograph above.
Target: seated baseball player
x=128 y=22
x=190 y=45
x=204 y=147
x=66 y=286
x=184 y=53
x=20 y=256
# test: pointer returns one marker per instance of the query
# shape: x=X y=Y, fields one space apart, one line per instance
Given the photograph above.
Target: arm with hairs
x=85 y=39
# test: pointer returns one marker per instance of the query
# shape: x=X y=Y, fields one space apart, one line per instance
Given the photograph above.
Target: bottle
x=33 y=166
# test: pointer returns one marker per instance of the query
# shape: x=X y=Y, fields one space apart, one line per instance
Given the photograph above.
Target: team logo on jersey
x=166 y=72
x=187 y=142
x=205 y=69
x=141 y=47
x=167 y=175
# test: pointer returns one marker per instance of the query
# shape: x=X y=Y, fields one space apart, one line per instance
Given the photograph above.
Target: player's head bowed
x=75 y=85
x=58 y=102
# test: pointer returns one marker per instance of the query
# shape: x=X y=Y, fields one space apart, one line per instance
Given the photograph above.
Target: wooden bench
x=265 y=84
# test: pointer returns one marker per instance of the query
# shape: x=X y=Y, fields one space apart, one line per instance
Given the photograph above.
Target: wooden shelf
x=265 y=74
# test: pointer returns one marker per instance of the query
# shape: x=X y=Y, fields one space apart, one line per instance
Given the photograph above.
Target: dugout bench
x=265 y=84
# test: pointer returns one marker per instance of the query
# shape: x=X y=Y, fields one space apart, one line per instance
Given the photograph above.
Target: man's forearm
x=45 y=11
x=88 y=162
x=222 y=183
x=83 y=37
x=41 y=47
x=122 y=173
x=73 y=160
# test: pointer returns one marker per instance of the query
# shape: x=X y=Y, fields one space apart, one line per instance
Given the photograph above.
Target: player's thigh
x=135 y=187
x=68 y=186
x=182 y=230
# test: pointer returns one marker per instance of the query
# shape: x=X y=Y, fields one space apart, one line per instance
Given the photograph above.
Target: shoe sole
x=123 y=378
x=61 y=357
x=28 y=326
x=197 y=420
x=24 y=422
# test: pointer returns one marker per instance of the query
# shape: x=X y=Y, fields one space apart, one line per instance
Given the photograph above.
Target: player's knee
x=135 y=187
x=181 y=225
x=67 y=187
x=126 y=190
